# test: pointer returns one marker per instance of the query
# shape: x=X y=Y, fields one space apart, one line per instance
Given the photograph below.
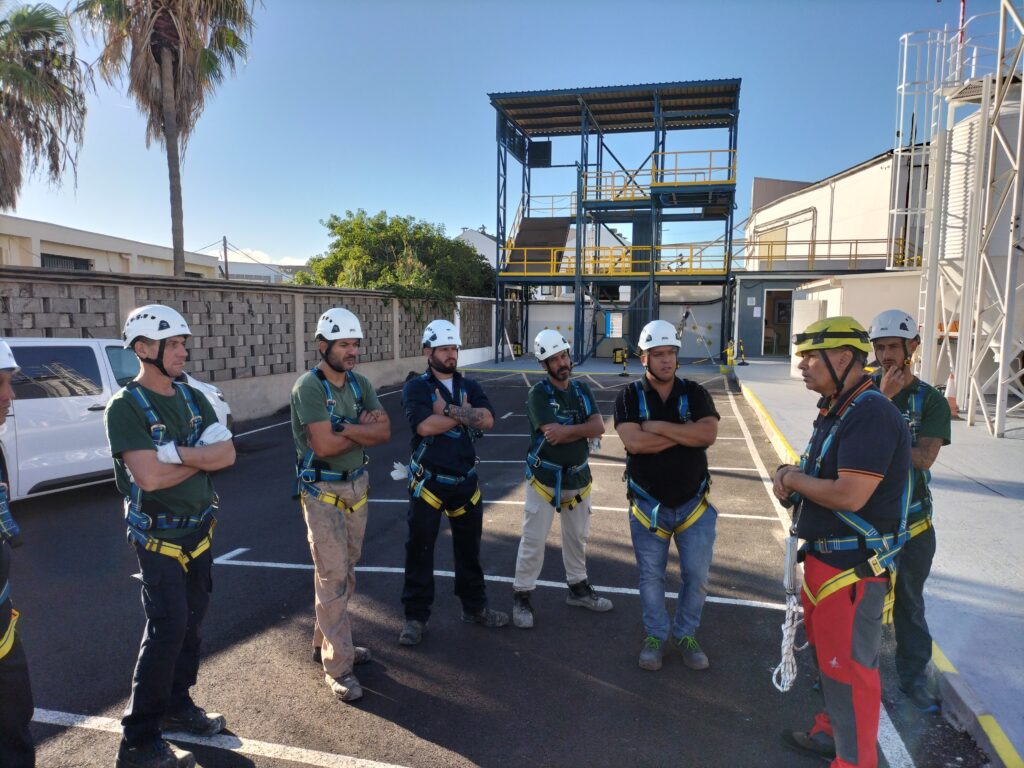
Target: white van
x=54 y=438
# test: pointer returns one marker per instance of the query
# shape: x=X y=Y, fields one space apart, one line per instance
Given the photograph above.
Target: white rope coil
x=785 y=674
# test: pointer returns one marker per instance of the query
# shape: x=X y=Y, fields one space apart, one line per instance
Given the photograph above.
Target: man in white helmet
x=447 y=413
x=666 y=425
x=335 y=416
x=894 y=338
x=165 y=441
x=563 y=418
x=16 y=749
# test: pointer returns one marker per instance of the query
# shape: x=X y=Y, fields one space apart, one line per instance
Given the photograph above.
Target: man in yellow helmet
x=851 y=493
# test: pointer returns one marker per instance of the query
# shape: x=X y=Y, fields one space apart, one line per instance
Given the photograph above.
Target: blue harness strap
x=305 y=473
x=419 y=474
x=885 y=546
x=913 y=415
x=533 y=459
x=8 y=527
x=133 y=513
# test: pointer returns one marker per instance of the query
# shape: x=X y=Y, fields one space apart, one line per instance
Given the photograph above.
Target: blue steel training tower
x=697 y=186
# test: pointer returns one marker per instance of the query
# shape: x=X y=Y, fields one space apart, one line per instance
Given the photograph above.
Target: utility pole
x=225 y=242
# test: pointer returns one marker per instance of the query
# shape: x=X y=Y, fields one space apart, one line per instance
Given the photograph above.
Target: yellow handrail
x=685 y=168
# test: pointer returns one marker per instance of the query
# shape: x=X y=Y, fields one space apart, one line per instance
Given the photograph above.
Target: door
x=60 y=396
x=778 y=322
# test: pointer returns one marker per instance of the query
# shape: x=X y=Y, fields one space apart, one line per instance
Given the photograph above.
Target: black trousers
x=913 y=640
x=424 y=524
x=16 y=750
x=175 y=602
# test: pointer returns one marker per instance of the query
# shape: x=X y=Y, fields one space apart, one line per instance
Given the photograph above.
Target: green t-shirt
x=309 y=405
x=567 y=405
x=128 y=430
x=932 y=419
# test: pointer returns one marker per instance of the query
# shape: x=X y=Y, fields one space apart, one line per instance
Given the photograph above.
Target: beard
x=440 y=367
x=339 y=367
x=561 y=374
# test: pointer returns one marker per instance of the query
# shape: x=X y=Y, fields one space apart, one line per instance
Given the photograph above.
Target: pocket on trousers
x=153 y=600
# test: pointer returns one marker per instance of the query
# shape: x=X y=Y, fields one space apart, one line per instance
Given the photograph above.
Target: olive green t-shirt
x=572 y=410
x=309 y=405
x=128 y=430
x=933 y=420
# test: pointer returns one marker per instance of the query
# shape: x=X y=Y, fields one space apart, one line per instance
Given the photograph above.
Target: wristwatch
x=447 y=410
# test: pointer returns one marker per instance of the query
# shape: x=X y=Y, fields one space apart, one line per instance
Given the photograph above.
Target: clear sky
x=378 y=104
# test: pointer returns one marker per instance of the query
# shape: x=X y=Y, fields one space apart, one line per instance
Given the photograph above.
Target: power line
x=231 y=247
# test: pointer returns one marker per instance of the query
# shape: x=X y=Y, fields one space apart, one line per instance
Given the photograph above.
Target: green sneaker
x=693 y=656
x=650 y=654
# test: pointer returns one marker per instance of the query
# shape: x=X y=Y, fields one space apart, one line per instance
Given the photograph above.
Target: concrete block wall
x=415 y=315
x=58 y=310
x=375 y=316
x=475 y=319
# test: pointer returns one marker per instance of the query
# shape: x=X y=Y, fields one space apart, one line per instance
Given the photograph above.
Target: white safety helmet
x=441 y=333
x=893 y=322
x=659 y=333
x=154 y=322
x=338 y=323
x=7 y=362
x=549 y=343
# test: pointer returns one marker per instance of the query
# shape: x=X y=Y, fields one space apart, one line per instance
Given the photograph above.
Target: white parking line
x=621 y=463
x=260 y=429
x=889 y=739
x=230 y=559
x=223 y=741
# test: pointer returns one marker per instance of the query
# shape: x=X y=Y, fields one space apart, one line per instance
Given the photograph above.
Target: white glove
x=400 y=472
x=215 y=433
x=168 y=454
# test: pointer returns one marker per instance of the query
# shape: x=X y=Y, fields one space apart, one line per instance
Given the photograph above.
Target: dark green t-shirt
x=128 y=430
x=567 y=405
x=309 y=405
x=928 y=417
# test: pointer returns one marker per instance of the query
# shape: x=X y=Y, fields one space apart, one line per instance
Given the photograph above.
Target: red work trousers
x=845 y=629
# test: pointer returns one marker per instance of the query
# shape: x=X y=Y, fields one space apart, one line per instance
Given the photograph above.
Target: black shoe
x=922 y=698
x=522 y=611
x=153 y=754
x=361 y=656
x=412 y=632
x=488 y=617
x=819 y=745
x=194 y=720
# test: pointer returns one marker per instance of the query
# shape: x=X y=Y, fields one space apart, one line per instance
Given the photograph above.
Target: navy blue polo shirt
x=448 y=455
x=674 y=475
x=872 y=440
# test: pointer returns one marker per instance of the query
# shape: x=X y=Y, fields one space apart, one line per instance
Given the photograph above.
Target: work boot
x=412 y=632
x=522 y=611
x=362 y=655
x=487 y=617
x=346 y=687
x=819 y=744
x=650 y=654
x=583 y=595
x=922 y=698
x=153 y=754
x=193 y=719
x=693 y=656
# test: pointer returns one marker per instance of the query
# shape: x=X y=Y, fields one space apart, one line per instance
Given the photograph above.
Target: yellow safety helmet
x=833 y=332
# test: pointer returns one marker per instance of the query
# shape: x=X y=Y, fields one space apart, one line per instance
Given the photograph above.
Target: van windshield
x=123 y=363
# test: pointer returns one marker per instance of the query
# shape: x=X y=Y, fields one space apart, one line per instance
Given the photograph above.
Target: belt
x=420 y=492
x=665 y=533
x=883 y=541
x=334 y=499
x=175 y=551
x=7 y=641
x=871 y=568
x=314 y=475
x=922 y=525
x=549 y=497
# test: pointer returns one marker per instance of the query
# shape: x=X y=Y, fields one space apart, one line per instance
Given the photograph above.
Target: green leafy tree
x=42 y=96
x=400 y=254
x=174 y=53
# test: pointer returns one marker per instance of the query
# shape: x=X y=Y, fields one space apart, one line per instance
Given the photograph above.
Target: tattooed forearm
x=471 y=417
x=926 y=451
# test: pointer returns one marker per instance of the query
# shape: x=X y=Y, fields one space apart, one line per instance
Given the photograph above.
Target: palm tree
x=174 y=53
x=42 y=97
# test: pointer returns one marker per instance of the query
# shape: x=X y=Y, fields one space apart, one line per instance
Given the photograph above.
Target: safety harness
x=534 y=461
x=634 y=491
x=886 y=547
x=306 y=471
x=8 y=530
x=138 y=521
x=419 y=474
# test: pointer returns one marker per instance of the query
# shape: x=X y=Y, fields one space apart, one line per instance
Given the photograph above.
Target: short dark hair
x=859 y=356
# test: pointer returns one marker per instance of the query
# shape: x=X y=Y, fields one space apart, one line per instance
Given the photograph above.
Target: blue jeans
x=695 y=546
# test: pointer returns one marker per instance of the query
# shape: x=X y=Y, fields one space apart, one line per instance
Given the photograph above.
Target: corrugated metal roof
x=622 y=108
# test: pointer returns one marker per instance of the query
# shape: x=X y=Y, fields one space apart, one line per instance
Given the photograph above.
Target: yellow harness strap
x=922 y=525
x=549 y=496
x=848 y=578
x=7 y=641
x=335 y=500
x=665 y=533
x=434 y=501
x=170 y=549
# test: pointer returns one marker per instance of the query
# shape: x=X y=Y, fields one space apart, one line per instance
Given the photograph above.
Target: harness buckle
x=876 y=567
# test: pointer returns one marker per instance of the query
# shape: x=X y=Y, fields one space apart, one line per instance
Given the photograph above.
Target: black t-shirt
x=872 y=440
x=448 y=455
x=674 y=475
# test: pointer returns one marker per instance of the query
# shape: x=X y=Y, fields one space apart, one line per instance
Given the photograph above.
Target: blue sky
x=383 y=105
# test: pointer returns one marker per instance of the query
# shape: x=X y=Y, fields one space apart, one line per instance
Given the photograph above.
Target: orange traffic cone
x=954 y=412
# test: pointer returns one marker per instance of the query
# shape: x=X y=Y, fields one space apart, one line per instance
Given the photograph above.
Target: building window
x=52 y=261
x=546 y=290
x=193 y=274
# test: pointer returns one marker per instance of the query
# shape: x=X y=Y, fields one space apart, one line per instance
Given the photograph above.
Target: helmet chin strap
x=325 y=356
x=158 y=363
x=837 y=379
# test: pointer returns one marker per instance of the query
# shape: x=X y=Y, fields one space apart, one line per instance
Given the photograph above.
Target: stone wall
x=415 y=315
x=60 y=310
x=475 y=323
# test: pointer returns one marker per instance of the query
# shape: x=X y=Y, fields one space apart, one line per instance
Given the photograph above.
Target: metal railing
x=668 y=169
